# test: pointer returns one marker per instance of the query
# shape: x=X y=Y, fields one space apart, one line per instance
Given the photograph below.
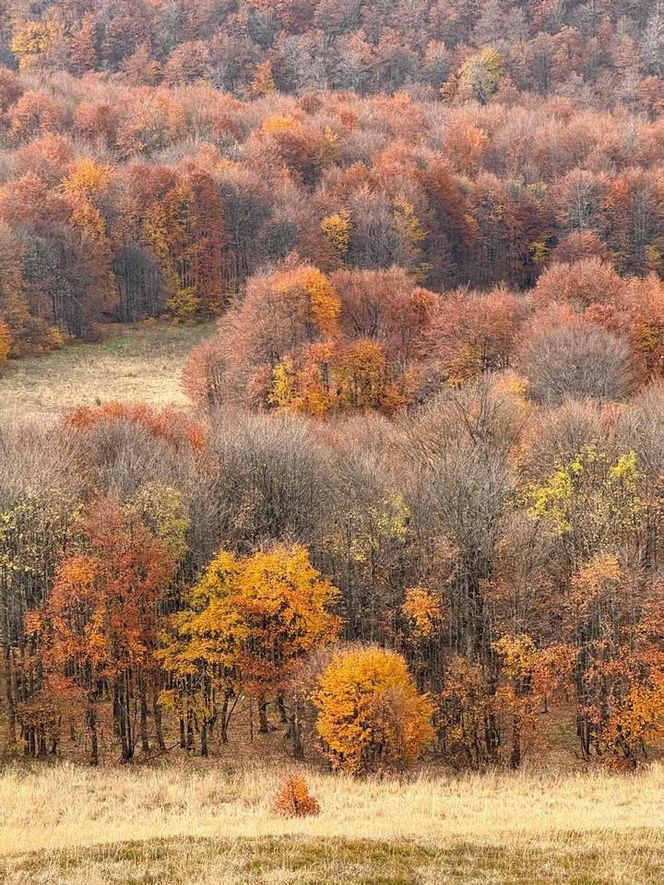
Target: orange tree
x=615 y=619
x=248 y=622
x=93 y=640
x=371 y=717
x=5 y=341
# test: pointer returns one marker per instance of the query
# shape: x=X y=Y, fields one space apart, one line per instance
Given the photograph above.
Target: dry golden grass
x=177 y=824
x=141 y=362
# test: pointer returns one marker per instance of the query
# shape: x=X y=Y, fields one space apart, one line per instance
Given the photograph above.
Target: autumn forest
x=413 y=512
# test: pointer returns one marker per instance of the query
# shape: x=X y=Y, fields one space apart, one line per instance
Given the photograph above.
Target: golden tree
x=371 y=717
x=249 y=621
x=5 y=342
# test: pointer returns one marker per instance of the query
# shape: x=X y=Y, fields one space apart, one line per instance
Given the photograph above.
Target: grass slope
x=141 y=362
x=187 y=825
x=576 y=858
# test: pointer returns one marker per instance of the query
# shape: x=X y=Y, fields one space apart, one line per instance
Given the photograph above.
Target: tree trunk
x=515 y=756
x=295 y=727
x=190 y=730
x=124 y=716
x=145 y=742
x=156 y=715
x=94 y=744
x=224 y=719
x=263 y=722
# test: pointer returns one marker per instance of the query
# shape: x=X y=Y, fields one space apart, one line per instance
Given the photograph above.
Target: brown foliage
x=294 y=799
x=166 y=424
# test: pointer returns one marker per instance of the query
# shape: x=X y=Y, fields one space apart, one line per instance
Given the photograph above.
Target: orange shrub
x=167 y=424
x=294 y=798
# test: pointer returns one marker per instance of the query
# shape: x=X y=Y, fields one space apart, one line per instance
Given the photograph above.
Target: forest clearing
x=131 y=363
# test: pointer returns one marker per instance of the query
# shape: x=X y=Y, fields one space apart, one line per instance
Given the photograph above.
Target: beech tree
x=371 y=718
x=248 y=622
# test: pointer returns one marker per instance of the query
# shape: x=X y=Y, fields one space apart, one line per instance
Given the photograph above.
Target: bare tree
x=579 y=361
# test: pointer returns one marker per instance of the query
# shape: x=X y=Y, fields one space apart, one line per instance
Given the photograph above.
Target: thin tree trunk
x=224 y=720
x=295 y=727
x=94 y=743
x=156 y=715
x=515 y=757
x=124 y=717
x=190 y=730
x=145 y=742
x=264 y=724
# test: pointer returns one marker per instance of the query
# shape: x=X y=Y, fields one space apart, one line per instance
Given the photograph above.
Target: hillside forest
x=415 y=508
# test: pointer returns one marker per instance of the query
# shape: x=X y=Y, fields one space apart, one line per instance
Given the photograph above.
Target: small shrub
x=294 y=798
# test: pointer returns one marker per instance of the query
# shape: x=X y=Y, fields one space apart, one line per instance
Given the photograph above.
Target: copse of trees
x=498 y=560
x=351 y=341
x=306 y=342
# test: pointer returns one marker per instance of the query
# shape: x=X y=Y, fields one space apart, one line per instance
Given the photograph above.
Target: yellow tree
x=30 y=40
x=371 y=717
x=86 y=183
x=263 y=80
x=336 y=230
x=85 y=187
x=5 y=342
x=249 y=621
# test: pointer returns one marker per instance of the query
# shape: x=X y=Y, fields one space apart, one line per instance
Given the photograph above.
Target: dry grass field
x=141 y=362
x=180 y=824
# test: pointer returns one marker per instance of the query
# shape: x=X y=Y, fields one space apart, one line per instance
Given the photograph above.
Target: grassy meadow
x=132 y=363
x=67 y=824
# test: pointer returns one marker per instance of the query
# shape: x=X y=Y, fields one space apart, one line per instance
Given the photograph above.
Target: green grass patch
x=582 y=859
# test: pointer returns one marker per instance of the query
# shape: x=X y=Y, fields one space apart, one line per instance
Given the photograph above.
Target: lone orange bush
x=294 y=798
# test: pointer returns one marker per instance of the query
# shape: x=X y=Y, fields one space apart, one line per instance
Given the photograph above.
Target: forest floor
x=182 y=823
x=132 y=362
